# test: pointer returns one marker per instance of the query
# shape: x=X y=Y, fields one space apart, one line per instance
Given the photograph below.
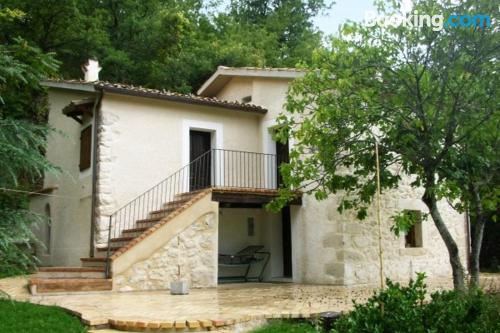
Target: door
x=282 y=156
x=200 y=161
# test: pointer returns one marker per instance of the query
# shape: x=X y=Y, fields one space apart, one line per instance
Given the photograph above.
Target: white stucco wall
x=236 y=89
x=233 y=237
x=146 y=140
x=71 y=209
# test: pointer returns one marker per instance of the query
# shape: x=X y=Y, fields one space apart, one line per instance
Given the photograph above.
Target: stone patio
x=233 y=306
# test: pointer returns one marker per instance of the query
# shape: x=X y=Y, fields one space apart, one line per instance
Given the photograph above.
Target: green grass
x=21 y=317
x=286 y=327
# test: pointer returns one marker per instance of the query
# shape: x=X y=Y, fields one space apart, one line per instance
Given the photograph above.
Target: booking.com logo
x=436 y=22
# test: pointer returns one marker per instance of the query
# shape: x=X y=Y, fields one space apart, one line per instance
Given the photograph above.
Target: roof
x=223 y=74
x=126 y=89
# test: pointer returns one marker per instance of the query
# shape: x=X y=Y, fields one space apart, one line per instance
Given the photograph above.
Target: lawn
x=288 y=327
x=22 y=317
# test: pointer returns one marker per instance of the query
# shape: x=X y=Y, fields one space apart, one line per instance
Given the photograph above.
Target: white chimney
x=91 y=70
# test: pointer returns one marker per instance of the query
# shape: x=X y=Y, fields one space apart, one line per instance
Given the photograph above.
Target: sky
x=342 y=11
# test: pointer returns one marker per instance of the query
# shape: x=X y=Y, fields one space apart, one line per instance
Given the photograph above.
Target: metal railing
x=214 y=168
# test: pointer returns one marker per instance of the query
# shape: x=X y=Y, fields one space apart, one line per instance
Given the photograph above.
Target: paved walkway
x=227 y=304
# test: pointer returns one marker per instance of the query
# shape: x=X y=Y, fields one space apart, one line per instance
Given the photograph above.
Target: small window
x=85 y=148
x=251 y=227
x=246 y=99
x=414 y=236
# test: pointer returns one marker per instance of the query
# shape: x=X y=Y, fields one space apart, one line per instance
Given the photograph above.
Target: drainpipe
x=93 y=217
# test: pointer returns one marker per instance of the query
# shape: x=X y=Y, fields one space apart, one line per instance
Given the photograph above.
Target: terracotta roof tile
x=270 y=69
x=167 y=95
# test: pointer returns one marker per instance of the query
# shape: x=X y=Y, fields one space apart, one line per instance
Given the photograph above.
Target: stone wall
x=400 y=263
x=334 y=248
x=192 y=248
x=108 y=135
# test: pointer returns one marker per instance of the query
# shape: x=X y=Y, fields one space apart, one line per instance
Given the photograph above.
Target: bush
x=404 y=309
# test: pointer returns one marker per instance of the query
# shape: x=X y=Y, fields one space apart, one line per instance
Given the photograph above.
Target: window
x=85 y=148
x=251 y=227
x=413 y=237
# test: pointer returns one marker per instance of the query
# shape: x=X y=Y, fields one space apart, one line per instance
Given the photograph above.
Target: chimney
x=91 y=70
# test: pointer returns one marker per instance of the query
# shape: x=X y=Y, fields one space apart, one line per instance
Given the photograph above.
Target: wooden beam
x=246 y=199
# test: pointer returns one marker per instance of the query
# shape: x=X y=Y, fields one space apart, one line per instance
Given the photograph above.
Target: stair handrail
x=215 y=167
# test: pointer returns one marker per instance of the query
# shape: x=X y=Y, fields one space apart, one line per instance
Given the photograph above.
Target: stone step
x=102 y=251
x=171 y=325
x=176 y=203
x=141 y=223
x=135 y=232
x=189 y=194
x=147 y=223
x=121 y=241
x=41 y=286
x=93 y=262
x=70 y=273
x=161 y=212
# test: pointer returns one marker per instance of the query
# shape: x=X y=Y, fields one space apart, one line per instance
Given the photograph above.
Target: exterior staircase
x=91 y=276
x=216 y=168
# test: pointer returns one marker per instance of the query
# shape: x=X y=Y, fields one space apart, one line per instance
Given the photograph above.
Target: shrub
x=451 y=311
x=404 y=309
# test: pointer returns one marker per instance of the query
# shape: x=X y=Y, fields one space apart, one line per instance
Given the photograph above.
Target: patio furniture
x=245 y=259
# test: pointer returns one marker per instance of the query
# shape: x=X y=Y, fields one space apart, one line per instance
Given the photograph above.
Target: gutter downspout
x=96 y=113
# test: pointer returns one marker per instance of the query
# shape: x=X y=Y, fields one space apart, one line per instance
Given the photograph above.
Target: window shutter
x=85 y=148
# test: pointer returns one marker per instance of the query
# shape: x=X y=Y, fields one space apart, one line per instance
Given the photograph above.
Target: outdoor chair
x=245 y=259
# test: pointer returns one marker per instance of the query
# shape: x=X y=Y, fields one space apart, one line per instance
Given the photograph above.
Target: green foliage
x=407 y=309
x=23 y=134
x=404 y=220
x=18 y=317
x=424 y=95
x=21 y=162
x=16 y=238
x=173 y=44
x=286 y=326
x=22 y=66
x=21 y=147
x=395 y=309
x=412 y=87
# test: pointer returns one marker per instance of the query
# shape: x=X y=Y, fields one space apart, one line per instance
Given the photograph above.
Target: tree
x=174 y=44
x=471 y=175
x=422 y=92
x=23 y=136
x=287 y=24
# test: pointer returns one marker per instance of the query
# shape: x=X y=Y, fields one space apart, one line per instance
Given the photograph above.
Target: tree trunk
x=458 y=270
x=477 y=239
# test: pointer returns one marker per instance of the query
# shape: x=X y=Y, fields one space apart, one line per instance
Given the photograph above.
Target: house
x=158 y=184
